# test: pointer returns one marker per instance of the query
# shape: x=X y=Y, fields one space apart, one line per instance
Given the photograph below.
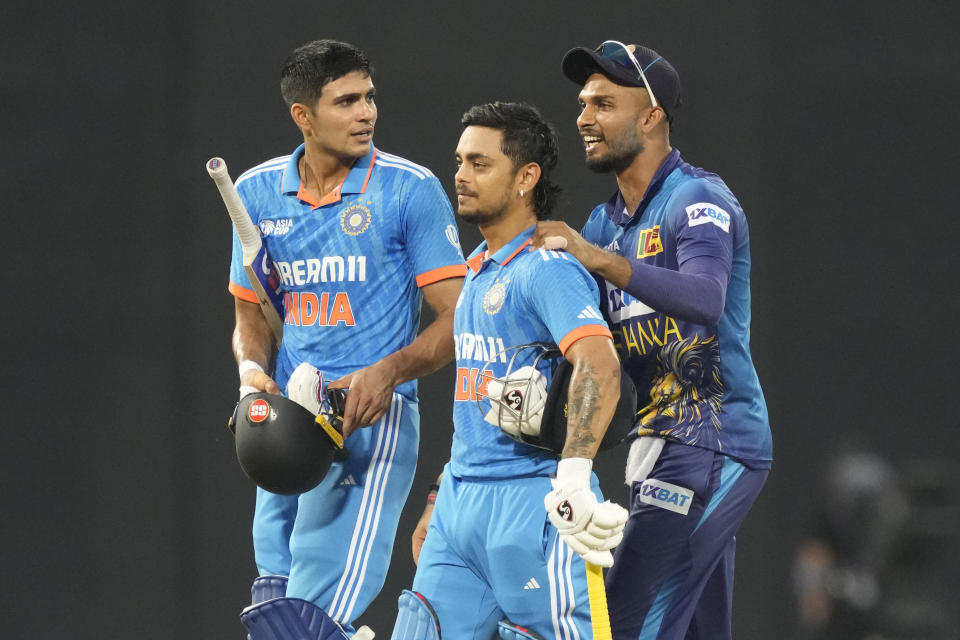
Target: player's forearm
x=696 y=293
x=252 y=339
x=611 y=267
x=592 y=399
x=432 y=349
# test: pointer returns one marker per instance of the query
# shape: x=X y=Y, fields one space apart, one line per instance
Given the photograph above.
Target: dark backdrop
x=124 y=513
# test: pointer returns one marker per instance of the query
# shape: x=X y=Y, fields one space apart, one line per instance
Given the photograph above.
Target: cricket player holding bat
x=358 y=238
x=256 y=263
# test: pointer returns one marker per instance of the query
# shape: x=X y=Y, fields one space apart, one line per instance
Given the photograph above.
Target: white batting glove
x=306 y=386
x=363 y=633
x=588 y=527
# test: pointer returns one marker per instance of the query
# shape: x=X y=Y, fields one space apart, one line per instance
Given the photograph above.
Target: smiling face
x=609 y=123
x=485 y=177
x=341 y=122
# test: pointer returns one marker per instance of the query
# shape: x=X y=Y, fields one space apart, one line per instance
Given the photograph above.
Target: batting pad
x=267 y=588
x=510 y=631
x=290 y=619
x=416 y=619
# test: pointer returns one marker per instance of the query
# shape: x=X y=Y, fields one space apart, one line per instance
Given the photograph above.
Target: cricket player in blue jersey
x=672 y=249
x=494 y=561
x=359 y=238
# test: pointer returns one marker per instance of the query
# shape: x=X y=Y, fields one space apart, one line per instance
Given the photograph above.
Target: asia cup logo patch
x=276 y=227
x=494 y=298
x=355 y=219
x=259 y=410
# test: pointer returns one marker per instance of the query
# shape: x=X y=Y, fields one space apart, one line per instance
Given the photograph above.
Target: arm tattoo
x=583 y=407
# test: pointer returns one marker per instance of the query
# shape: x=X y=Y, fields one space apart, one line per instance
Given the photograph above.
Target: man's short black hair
x=527 y=137
x=311 y=66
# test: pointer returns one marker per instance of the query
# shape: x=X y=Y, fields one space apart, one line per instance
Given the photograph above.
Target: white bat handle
x=246 y=230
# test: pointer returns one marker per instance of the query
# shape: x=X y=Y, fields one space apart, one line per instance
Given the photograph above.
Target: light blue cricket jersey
x=695 y=384
x=352 y=264
x=513 y=298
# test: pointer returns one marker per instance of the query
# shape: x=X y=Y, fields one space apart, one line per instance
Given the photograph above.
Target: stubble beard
x=483 y=217
x=621 y=154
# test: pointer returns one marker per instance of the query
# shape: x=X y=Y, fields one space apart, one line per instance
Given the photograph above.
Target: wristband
x=247 y=365
x=574 y=473
x=432 y=494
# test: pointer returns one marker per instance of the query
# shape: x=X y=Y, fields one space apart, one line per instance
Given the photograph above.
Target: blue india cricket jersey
x=695 y=384
x=351 y=265
x=512 y=298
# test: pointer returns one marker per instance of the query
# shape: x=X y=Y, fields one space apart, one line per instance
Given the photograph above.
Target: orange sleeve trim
x=583 y=332
x=243 y=293
x=443 y=273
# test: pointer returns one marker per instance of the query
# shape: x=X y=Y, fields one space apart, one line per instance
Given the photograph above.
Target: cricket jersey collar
x=355 y=182
x=506 y=253
x=615 y=207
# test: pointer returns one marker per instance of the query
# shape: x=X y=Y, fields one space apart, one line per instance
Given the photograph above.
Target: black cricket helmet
x=529 y=402
x=281 y=446
x=555 y=411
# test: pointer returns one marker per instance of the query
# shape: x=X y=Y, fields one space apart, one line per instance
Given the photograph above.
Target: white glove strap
x=574 y=473
x=247 y=365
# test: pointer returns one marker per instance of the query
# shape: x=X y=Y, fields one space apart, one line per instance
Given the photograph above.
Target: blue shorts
x=491 y=553
x=335 y=541
x=672 y=577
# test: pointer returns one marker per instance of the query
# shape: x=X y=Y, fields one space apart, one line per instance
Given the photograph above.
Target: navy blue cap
x=579 y=63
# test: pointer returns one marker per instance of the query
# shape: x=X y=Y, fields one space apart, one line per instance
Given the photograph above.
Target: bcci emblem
x=494 y=298
x=355 y=219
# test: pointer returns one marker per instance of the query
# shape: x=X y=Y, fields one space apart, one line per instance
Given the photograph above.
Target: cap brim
x=580 y=63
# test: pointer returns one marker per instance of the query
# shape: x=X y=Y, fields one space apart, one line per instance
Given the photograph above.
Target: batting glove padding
x=306 y=386
x=589 y=527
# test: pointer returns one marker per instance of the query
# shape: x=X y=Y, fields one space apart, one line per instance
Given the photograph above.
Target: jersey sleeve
x=430 y=233
x=239 y=284
x=703 y=218
x=565 y=297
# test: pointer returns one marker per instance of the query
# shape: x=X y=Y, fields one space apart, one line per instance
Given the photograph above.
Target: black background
x=124 y=513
